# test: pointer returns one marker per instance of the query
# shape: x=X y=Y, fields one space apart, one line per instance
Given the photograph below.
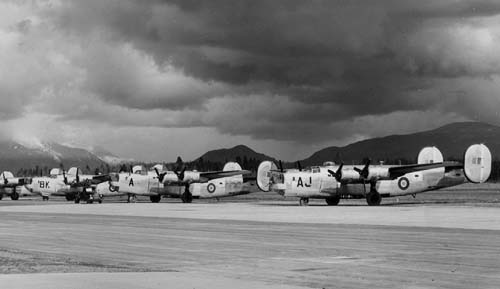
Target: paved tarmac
x=248 y=245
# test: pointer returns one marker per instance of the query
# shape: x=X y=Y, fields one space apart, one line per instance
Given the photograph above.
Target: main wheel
x=77 y=200
x=70 y=197
x=187 y=197
x=333 y=201
x=155 y=199
x=45 y=198
x=304 y=201
x=14 y=196
x=1 y=196
x=373 y=198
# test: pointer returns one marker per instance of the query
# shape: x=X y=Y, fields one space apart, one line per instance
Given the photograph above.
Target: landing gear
x=333 y=201
x=45 y=198
x=69 y=197
x=131 y=198
x=304 y=201
x=14 y=196
x=1 y=196
x=155 y=199
x=373 y=198
x=77 y=199
x=99 y=200
x=187 y=197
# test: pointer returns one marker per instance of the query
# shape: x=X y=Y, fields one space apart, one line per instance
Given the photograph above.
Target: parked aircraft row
x=330 y=182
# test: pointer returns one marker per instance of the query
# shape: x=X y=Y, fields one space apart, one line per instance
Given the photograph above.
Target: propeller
x=281 y=165
x=5 y=181
x=337 y=174
x=363 y=173
x=160 y=175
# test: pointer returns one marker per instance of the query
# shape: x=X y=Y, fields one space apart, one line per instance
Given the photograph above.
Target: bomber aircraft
x=333 y=183
x=72 y=185
x=183 y=184
x=9 y=185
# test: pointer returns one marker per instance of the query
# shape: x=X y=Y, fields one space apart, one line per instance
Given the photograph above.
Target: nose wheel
x=304 y=201
x=131 y=198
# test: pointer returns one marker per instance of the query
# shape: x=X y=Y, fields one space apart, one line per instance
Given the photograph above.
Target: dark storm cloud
x=317 y=62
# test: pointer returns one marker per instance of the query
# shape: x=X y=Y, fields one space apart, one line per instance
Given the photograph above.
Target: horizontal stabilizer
x=396 y=172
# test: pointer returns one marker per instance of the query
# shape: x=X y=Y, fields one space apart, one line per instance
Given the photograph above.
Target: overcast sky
x=155 y=79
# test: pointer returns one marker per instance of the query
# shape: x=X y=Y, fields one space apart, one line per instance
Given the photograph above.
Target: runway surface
x=248 y=245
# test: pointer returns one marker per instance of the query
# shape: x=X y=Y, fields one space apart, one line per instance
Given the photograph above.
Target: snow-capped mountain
x=42 y=156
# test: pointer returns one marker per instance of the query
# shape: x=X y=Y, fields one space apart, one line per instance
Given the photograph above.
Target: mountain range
x=451 y=139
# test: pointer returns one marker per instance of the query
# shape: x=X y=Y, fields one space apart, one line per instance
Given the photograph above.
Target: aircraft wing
x=97 y=179
x=396 y=172
x=221 y=174
x=16 y=182
x=92 y=180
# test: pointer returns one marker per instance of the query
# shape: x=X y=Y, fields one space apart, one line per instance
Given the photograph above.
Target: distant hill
x=215 y=159
x=451 y=139
x=231 y=154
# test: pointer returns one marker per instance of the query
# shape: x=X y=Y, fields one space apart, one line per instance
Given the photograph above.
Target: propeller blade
x=181 y=175
x=338 y=173
x=281 y=165
x=64 y=177
x=299 y=166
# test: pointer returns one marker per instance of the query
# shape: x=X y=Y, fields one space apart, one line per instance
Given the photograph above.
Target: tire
x=373 y=198
x=45 y=198
x=187 y=197
x=70 y=198
x=90 y=201
x=304 y=201
x=77 y=200
x=14 y=196
x=155 y=199
x=1 y=196
x=333 y=201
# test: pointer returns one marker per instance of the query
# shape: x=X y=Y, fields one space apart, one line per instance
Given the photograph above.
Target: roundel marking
x=403 y=183
x=211 y=188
